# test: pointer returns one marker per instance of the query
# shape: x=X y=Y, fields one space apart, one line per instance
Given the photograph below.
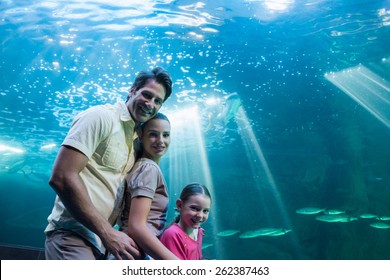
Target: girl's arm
x=139 y=231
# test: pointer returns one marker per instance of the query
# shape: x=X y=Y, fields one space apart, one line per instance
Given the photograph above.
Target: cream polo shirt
x=105 y=134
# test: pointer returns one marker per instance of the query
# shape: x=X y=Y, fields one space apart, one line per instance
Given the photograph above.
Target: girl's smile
x=193 y=212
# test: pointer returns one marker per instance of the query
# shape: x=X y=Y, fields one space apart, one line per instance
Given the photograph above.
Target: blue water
x=312 y=129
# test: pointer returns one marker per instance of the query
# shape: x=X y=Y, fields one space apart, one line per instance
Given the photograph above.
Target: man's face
x=145 y=102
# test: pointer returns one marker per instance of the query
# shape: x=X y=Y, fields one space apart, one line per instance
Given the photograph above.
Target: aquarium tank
x=280 y=107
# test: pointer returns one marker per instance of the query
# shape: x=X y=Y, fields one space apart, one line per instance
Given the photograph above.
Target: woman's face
x=156 y=139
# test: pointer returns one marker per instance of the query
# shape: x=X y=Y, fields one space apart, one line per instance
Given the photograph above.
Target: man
x=88 y=171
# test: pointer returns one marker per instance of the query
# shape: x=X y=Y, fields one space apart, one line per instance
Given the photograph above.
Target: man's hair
x=158 y=74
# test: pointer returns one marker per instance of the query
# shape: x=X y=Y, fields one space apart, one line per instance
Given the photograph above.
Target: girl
x=146 y=197
x=184 y=236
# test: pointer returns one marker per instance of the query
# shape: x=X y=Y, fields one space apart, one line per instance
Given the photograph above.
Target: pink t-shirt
x=180 y=244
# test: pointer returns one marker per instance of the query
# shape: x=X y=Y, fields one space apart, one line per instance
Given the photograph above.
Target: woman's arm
x=139 y=231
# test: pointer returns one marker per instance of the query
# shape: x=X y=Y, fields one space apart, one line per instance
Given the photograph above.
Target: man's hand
x=70 y=188
x=121 y=245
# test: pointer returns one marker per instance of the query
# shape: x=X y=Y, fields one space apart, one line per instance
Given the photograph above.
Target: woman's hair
x=190 y=190
x=138 y=148
x=159 y=116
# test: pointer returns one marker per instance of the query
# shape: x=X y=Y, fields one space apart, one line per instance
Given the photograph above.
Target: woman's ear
x=138 y=129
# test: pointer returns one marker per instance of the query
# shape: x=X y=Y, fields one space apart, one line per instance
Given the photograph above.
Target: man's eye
x=146 y=94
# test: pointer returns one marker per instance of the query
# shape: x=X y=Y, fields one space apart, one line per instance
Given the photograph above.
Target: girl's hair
x=140 y=129
x=193 y=189
x=190 y=190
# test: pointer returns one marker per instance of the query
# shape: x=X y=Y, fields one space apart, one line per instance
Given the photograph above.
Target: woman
x=146 y=197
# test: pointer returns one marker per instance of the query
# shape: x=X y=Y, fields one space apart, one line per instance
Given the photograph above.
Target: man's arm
x=66 y=182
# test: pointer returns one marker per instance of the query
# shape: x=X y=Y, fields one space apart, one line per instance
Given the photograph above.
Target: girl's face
x=155 y=139
x=193 y=212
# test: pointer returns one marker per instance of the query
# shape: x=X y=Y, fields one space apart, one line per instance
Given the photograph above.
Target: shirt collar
x=125 y=114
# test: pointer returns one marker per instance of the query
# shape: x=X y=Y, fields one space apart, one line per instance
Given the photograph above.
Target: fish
x=16 y=166
x=256 y=233
x=383 y=218
x=310 y=210
x=280 y=232
x=367 y=216
x=228 y=232
x=264 y=232
x=340 y=218
x=334 y=212
x=206 y=245
x=380 y=225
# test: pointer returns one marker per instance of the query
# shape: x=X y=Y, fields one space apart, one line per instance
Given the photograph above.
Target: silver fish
x=367 y=216
x=309 y=210
x=206 y=245
x=340 y=218
x=280 y=232
x=228 y=232
x=384 y=218
x=16 y=166
x=334 y=212
x=264 y=232
x=380 y=225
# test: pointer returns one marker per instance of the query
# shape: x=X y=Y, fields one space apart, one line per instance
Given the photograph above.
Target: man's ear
x=131 y=93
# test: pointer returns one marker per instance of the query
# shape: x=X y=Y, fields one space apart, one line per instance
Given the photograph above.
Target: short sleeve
x=172 y=240
x=143 y=180
x=88 y=129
